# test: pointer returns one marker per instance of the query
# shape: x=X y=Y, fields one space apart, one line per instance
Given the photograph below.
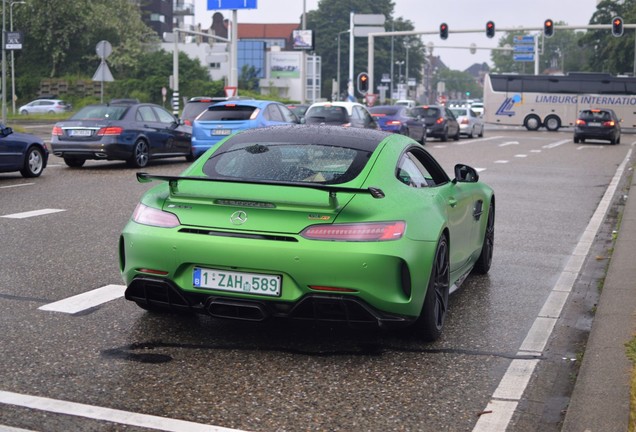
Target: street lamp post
x=399 y=81
x=338 y=71
x=12 y=59
x=4 y=63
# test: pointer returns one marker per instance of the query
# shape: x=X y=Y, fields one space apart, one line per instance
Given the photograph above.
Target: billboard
x=303 y=39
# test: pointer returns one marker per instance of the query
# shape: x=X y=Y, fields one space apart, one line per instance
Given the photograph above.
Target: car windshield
x=327 y=114
x=227 y=112
x=286 y=162
x=595 y=115
x=426 y=111
x=101 y=112
x=458 y=112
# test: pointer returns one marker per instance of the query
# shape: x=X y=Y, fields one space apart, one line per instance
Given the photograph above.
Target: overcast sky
x=427 y=15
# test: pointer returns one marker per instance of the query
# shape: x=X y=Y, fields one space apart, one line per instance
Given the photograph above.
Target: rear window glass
x=100 y=112
x=426 y=111
x=595 y=115
x=327 y=114
x=193 y=109
x=286 y=162
x=227 y=112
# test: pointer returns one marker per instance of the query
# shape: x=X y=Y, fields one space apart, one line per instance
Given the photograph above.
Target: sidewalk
x=600 y=401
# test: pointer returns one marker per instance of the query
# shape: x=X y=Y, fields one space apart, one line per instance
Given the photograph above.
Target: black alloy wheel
x=141 y=154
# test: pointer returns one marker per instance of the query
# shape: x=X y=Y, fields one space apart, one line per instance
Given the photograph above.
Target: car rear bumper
x=103 y=151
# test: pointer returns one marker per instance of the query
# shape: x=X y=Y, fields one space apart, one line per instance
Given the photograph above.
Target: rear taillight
x=357 y=232
x=580 y=122
x=255 y=114
x=187 y=122
x=439 y=120
x=465 y=121
x=394 y=123
x=110 y=130
x=154 y=217
x=610 y=123
x=57 y=131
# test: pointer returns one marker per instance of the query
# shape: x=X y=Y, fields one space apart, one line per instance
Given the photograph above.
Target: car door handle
x=452 y=202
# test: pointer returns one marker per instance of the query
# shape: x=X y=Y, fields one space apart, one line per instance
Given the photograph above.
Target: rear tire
x=482 y=265
x=532 y=122
x=430 y=323
x=141 y=154
x=552 y=123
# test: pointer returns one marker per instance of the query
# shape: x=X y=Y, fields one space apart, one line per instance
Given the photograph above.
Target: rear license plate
x=80 y=132
x=221 y=132
x=594 y=124
x=240 y=282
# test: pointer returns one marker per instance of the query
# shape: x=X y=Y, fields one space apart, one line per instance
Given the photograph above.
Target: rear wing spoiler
x=173 y=182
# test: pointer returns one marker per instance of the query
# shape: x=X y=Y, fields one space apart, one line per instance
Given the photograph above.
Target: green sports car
x=306 y=222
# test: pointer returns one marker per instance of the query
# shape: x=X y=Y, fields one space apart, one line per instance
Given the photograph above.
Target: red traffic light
x=548 y=28
x=490 y=29
x=617 y=26
x=443 y=31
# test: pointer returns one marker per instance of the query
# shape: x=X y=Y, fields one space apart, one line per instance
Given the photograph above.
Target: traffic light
x=490 y=29
x=617 y=26
x=363 y=83
x=443 y=31
x=548 y=28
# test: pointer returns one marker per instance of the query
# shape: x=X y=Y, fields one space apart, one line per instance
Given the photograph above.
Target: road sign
x=523 y=39
x=524 y=48
x=230 y=91
x=523 y=57
x=103 y=49
x=231 y=4
x=364 y=31
x=371 y=99
x=103 y=73
x=368 y=19
x=13 y=41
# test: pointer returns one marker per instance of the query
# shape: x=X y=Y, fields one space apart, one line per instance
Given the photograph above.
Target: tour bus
x=553 y=101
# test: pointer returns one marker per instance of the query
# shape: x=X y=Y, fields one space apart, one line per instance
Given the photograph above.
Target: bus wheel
x=532 y=122
x=552 y=123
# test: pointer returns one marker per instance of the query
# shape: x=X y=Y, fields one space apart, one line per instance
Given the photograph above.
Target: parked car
x=440 y=121
x=349 y=114
x=318 y=223
x=470 y=124
x=22 y=152
x=225 y=118
x=45 y=106
x=598 y=124
x=196 y=105
x=399 y=119
x=134 y=132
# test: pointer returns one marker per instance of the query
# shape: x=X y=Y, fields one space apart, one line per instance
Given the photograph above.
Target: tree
x=608 y=53
x=332 y=18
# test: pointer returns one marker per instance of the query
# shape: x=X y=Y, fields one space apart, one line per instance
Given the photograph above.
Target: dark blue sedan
x=22 y=152
x=399 y=119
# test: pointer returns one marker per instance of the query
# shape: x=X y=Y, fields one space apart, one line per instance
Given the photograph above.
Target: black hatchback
x=597 y=124
x=440 y=121
x=133 y=132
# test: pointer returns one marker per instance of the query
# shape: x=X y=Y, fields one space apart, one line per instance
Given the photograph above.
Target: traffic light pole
x=372 y=36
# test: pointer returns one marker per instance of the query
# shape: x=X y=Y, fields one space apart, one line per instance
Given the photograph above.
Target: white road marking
x=535 y=151
x=589 y=147
x=503 y=403
x=17 y=185
x=32 y=213
x=107 y=414
x=521 y=155
x=501 y=161
x=509 y=143
x=87 y=300
x=556 y=144
x=481 y=169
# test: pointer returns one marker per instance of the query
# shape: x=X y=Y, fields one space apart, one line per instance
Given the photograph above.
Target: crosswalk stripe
x=87 y=300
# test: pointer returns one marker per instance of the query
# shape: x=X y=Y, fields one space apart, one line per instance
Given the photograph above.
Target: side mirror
x=7 y=131
x=465 y=174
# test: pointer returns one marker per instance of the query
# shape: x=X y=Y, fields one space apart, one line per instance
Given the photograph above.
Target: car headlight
x=154 y=217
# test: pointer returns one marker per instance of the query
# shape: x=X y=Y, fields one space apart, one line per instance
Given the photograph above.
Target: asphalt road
x=110 y=366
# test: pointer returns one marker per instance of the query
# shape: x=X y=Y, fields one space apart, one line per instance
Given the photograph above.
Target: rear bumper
x=161 y=294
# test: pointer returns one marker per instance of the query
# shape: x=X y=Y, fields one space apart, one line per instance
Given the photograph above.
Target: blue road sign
x=523 y=48
x=523 y=57
x=523 y=39
x=231 y=4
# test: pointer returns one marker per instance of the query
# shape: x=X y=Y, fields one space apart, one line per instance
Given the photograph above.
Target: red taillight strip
x=374 y=231
x=110 y=130
x=153 y=272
